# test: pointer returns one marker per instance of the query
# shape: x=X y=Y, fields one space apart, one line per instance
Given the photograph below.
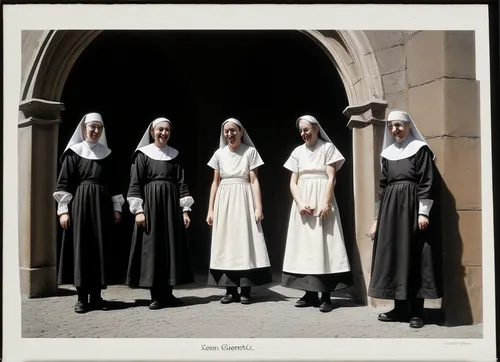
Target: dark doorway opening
x=197 y=79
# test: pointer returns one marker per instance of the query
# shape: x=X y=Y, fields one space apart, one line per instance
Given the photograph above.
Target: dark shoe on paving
x=416 y=322
x=81 y=307
x=302 y=303
x=325 y=307
x=392 y=316
x=172 y=301
x=99 y=304
x=245 y=299
x=230 y=298
x=155 y=305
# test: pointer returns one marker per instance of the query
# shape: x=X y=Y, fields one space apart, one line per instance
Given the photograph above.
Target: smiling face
x=232 y=134
x=308 y=132
x=92 y=131
x=399 y=130
x=161 y=134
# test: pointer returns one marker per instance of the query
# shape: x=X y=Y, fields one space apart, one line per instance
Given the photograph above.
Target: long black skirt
x=240 y=278
x=403 y=265
x=85 y=248
x=160 y=254
x=317 y=283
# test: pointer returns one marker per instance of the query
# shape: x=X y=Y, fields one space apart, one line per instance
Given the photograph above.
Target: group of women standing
x=315 y=259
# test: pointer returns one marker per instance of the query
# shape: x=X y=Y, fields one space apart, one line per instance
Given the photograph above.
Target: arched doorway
x=198 y=79
x=46 y=75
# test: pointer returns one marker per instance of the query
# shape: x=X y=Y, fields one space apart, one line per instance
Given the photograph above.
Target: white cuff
x=63 y=198
x=424 y=206
x=118 y=202
x=135 y=205
x=186 y=203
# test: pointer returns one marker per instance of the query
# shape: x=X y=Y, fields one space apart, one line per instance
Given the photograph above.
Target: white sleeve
x=254 y=159
x=333 y=156
x=118 y=202
x=424 y=206
x=186 y=203
x=63 y=198
x=214 y=161
x=292 y=163
x=135 y=205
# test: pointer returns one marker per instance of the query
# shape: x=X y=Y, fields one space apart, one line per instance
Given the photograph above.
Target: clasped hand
x=323 y=213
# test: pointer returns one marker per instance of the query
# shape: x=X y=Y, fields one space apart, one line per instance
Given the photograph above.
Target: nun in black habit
x=86 y=210
x=404 y=250
x=160 y=200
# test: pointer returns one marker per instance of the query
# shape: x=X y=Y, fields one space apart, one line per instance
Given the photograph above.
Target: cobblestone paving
x=272 y=315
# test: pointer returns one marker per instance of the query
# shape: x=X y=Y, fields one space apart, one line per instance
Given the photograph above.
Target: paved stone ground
x=273 y=315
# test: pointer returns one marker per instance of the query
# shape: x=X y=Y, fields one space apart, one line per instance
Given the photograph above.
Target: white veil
x=148 y=147
x=322 y=134
x=411 y=145
x=85 y=149
x=146 y=138
x=245 y=139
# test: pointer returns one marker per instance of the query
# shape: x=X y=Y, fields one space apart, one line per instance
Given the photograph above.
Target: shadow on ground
x=64 y=292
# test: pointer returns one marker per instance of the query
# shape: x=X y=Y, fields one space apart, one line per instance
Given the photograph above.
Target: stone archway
x=44 y=76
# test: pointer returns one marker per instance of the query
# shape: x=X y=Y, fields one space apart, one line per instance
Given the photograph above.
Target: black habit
x=404 y=257
x=159 y=254
x=85 y=249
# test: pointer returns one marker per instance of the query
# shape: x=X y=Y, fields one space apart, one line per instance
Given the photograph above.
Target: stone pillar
x=367 y=145
x=38 y=129
x=443 y=99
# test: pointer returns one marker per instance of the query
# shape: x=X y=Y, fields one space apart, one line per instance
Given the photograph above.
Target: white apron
x=237 y=240
x=314 y=246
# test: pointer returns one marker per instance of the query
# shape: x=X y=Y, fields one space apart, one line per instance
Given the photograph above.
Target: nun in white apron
x=239 y=255
x=160 y=200
x=404 y=254
x=87 y=205
x=315 y=254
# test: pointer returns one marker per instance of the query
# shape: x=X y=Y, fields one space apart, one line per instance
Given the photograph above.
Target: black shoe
x=326 y=307
x=98 y=304
x=230 y=298
x=416 y=322
x=302 y=303
x=81 y=307
x=155 y=305
x=392 y=316
x=172 y=301
x=246 y=299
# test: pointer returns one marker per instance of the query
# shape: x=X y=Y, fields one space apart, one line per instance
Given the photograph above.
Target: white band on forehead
x=232 y=120
x=245 y=139
x=93 y=117
x=322 y=134
x=398 y=116
x=307 y=118
x=160 y=120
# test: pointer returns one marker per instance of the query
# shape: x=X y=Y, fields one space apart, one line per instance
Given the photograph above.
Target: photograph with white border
x=350 y=73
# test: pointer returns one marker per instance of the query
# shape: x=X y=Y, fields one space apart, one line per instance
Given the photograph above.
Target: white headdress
x=412 y=143
x=245 y=139
x=322 y=134
x=147 y=146
x=85 y=149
